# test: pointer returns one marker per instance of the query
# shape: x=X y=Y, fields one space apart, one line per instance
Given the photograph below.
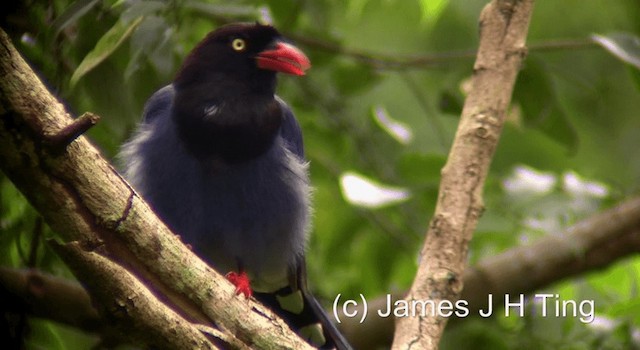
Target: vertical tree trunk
x=503 y=30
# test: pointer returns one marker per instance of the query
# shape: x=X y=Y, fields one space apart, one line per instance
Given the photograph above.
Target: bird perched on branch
x=220 y=159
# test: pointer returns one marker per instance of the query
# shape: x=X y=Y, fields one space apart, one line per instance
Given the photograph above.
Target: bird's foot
x=241 y=281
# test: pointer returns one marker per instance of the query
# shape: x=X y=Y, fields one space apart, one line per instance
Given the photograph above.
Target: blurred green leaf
x=624 y=46
x=151 y=41
x=219 y=10
x=635 y=76
x=109 y=42
x=450 y=102
x=284 y=12
x=419 y=169
x=432 y=9
x=535 y=93
x=350 y=78
x=72 y=13
x=141 y=9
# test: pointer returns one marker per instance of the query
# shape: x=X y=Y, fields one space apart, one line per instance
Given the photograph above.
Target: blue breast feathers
x=253 y=215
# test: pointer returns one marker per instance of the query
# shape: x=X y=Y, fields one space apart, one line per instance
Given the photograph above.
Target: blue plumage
x=220 y=159
x=253 y=215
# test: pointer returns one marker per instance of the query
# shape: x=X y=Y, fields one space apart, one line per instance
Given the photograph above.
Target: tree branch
x=591 y=244
x=84 y=199
x=384 y=60
x=503 y=30
x=49 y=297
x=66 y=135
x=387 y=61
x=130 y=308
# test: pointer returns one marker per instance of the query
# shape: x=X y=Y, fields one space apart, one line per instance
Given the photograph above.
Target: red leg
x=241 y=281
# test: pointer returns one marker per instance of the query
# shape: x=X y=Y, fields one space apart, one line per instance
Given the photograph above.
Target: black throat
x=231 y=128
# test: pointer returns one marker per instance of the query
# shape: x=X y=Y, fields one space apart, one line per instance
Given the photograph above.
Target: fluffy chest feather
x=252 y=215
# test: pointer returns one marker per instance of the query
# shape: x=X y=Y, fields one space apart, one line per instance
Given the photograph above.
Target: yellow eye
x=238 y=44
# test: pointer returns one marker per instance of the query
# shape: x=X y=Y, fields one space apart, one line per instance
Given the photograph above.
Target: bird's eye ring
x=238 y=44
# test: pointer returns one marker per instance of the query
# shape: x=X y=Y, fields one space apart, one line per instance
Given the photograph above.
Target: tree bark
x=130 y=309
x=587 y=246
x=591 y=244
x=503 y=31
x=86 y=201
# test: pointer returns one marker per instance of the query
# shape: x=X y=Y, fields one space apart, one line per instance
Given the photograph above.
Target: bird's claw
x=241 y=281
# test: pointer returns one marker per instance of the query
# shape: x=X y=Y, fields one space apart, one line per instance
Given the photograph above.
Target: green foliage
x=610 y=330
x=109 y=42
x=575 y=110
x=625 y=46
x=544 y=112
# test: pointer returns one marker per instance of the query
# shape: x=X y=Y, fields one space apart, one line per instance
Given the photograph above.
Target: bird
x=220 y=159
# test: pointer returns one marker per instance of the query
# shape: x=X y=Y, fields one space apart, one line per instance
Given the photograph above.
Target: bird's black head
x=242 y=58
x=224 y=104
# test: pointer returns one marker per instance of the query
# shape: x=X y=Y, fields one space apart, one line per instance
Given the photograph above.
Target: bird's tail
x=304 y=314
x=329 y=329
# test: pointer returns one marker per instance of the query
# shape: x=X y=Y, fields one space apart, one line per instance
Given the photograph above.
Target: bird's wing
x=158 y=104
x=291 y=131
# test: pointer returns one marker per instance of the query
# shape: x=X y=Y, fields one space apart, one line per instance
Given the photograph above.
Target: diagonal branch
x=49 y=297
x=130 y=308
x=84 y=199
x=503 y=30
x=590 y=245
x=379 y=60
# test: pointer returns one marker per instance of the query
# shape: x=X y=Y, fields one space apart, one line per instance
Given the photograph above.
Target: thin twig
x=69 y=133
x=387 y=61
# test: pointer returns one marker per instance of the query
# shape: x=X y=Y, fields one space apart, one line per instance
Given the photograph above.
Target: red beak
x=284 y=58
